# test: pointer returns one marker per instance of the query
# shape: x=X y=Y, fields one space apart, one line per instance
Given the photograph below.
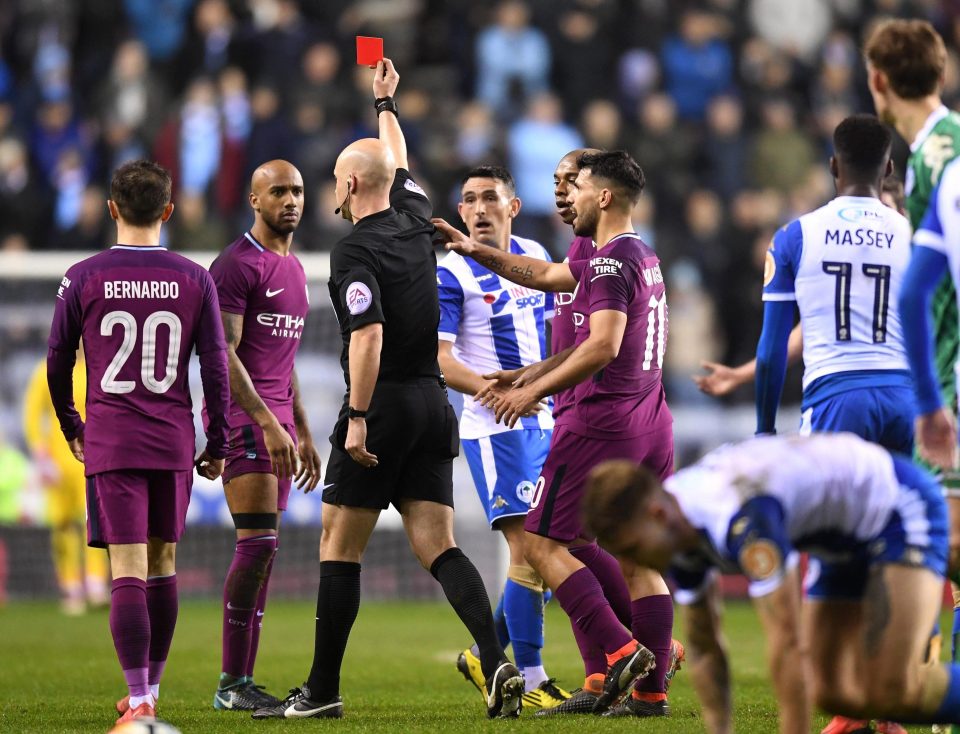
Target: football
x=142 y=726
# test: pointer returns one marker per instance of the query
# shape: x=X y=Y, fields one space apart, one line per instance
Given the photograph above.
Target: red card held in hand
x=369 y=50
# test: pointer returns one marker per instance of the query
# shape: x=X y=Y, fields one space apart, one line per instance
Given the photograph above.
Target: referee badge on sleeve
x=359 y=298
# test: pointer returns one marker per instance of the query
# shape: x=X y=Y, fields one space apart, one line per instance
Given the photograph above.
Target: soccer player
x=906 y=63
x=396 y=436
x=488 y=325
x=875 y=526
x=81 y=570
x=140 y=312
x=263 y=305
x=722 y=379
x=619 y=411
x=841 y=266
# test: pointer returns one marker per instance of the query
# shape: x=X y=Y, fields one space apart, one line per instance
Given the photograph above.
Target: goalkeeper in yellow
x=81 y=571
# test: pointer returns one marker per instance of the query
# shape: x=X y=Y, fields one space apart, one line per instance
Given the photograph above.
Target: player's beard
x=585 y=224
x=279 y=226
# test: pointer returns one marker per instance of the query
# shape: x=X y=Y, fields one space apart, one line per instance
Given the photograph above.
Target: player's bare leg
x=429 y=527
x=581 y=597
x=252 y=499
x=900 y=606
x=832 y=633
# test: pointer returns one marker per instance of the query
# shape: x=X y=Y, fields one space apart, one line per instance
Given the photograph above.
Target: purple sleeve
x=609 y=285
x=62 y=355
x=214 y=372
x=60 y=381
x=577 y=267
x=234 y=280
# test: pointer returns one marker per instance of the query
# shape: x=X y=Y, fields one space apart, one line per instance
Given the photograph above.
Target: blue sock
x=500 y=622
x=523 y=610
x=547 y=596
x=949 y=711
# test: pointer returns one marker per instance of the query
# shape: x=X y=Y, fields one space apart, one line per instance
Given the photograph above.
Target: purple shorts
x=247 y=454
x=555 y=507
x=132 y=505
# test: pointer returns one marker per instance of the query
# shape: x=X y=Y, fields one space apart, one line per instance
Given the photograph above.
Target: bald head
x=574 y=155
x=276 y=171
x=370 y=161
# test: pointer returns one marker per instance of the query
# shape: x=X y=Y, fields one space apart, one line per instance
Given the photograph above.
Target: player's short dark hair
x=911 y=54
x=141 y=191
x=497 y=173
x=616 y=491
x=617 y=167
x=861 y=143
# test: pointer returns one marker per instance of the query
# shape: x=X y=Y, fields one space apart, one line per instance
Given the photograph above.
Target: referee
x=396 y=436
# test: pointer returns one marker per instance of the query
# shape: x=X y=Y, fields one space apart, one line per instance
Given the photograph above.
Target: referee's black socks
x=466 y=593
x=338 y=601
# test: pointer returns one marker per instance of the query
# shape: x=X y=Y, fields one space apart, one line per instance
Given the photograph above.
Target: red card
x=369 y=50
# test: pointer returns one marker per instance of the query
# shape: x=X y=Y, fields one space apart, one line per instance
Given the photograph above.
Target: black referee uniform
x=385 y=271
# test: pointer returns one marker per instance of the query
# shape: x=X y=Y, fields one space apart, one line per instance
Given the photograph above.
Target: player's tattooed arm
x=283 y=452
x=308 y=475
x=520 y=269
x=779 y=613
x=709 y=668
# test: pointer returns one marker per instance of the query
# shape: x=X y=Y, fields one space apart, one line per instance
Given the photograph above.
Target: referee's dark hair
x=497 y=173
x=141 y=191
x=861 y=144
x=619 y=169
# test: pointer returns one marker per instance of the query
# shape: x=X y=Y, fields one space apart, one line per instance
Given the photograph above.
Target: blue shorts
x=882 y=415
x=915 y=535
x=505 y=468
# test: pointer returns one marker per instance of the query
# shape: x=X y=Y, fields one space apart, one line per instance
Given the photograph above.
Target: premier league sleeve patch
x=359 y=298
x=411 y=185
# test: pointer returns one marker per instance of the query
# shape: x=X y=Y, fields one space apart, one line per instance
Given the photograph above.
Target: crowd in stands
x=728 y=105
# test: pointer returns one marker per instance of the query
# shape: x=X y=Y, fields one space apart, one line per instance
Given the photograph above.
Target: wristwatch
x=354 y=413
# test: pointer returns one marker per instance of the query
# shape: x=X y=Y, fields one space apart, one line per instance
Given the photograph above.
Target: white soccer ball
x=144 y=726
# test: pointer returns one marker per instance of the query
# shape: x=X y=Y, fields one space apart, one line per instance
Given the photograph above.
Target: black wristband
x=354 y=413
x=386 y=104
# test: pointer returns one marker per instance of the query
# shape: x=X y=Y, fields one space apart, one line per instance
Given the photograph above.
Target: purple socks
x=652 y=627
x=162 y=608
x=130 y=627
x=582 y=598
x=242 y=589
x=258 y=616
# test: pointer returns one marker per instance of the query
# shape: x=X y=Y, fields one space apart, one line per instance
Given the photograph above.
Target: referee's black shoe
x=299 y=705
x=622 y=674
x=505 y=686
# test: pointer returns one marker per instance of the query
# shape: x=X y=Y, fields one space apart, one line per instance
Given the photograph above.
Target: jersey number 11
x=843 y=273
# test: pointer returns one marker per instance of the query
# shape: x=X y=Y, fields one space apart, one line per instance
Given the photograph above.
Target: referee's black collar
x=376 y=215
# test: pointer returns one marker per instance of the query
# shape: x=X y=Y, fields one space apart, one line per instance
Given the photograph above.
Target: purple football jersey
x=625 y=398
x=270 y=292
x=563 y=334
x=141 y=311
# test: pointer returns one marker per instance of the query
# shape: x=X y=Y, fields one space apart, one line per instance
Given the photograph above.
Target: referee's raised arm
x=384 y=86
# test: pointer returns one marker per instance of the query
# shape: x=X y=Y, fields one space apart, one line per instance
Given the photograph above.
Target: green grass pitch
x=60 y=674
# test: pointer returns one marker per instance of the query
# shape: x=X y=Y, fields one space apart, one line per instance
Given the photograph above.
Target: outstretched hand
x=452 y=238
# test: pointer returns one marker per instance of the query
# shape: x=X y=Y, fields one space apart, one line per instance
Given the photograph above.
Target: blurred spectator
x=90 y=231
x=582 y=57
x=639 y=73
x=192 y=228
x=725 y=146
x=69 y=182
x=795 y=26
x=271 y=135
x=24 y=207
x=281 y=43
x=782 y=154
x=200 y=137
x=535 y=143
x=208 y=48
x=55 y=130
x=602 y=125
x=476 y=134
x=693 y=330
x=321 y=85
x=513 y=59
x=697 y=64
x=131 y=96
x=160 y=24
x=237 y=120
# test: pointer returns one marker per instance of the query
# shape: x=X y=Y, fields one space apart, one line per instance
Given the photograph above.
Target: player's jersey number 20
x=148 y=361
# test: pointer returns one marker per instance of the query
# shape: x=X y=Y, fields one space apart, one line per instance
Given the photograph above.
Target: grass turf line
x=60 y=674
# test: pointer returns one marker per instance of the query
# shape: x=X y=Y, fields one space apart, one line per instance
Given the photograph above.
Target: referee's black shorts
x=412 y=430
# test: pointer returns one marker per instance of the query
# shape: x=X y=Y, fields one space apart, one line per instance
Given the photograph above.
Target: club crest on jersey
x=760 y=559
x=359 y=298
x=769 y=267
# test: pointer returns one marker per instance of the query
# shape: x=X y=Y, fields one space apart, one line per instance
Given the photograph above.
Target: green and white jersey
x=937 y=143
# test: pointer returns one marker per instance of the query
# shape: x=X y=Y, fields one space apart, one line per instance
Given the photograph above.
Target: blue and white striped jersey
x=843 y=264
x=493 y=325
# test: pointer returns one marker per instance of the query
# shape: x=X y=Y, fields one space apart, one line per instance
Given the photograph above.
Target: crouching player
x=875 y=526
